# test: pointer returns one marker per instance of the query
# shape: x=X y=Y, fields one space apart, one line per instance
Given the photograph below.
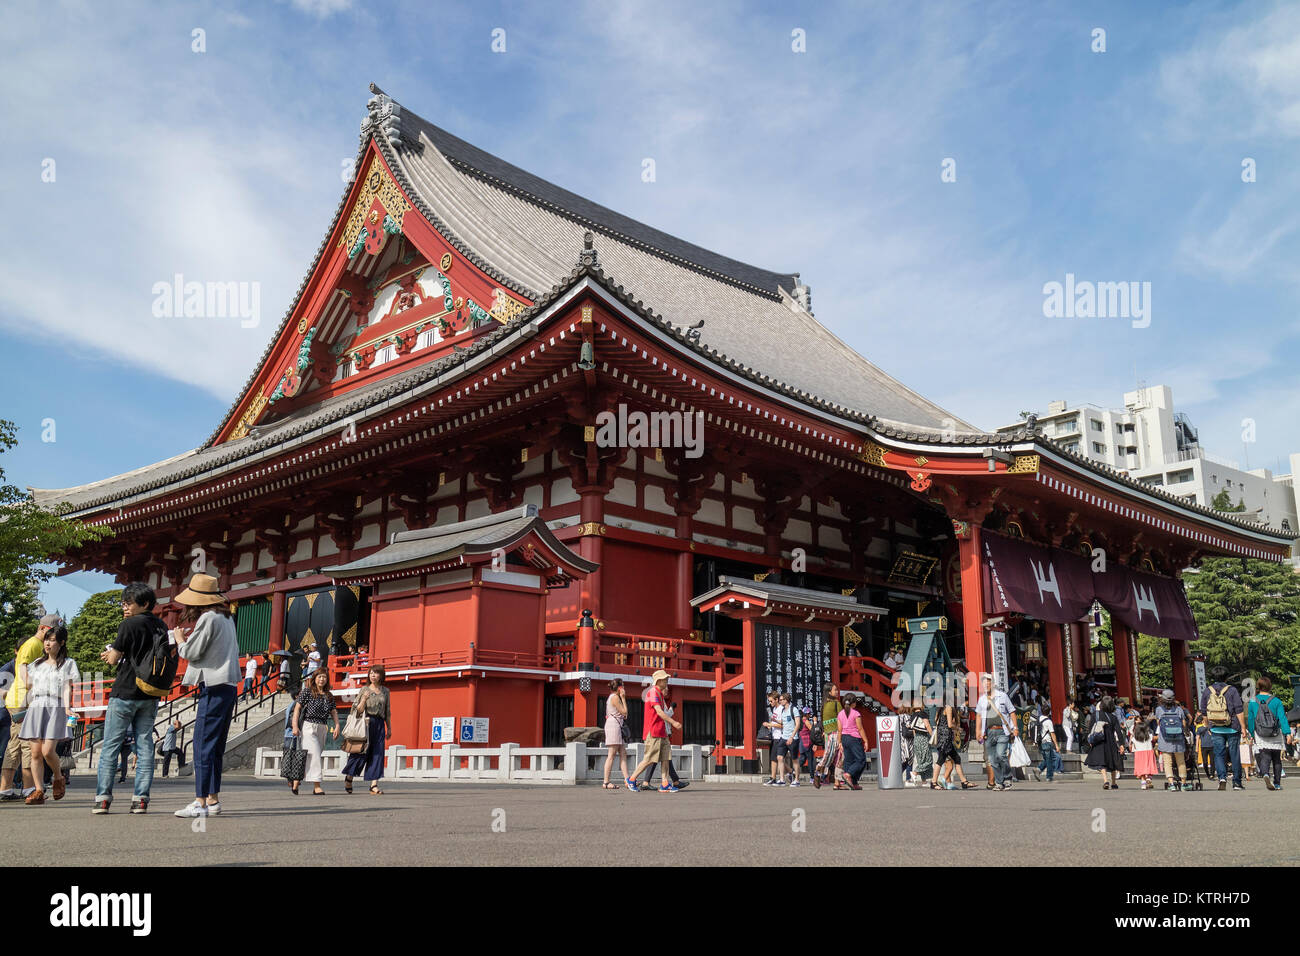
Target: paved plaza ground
x=263 y=824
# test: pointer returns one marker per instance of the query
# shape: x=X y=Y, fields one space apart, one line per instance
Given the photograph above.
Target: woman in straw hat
x=212 y=653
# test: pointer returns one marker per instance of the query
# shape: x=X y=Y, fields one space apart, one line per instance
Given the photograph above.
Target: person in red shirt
x=656 y=720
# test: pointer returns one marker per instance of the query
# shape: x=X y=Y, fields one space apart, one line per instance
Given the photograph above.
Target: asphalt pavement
x=263 y=824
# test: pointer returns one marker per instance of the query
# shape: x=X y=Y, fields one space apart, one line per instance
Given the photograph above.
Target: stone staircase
x=250 y=719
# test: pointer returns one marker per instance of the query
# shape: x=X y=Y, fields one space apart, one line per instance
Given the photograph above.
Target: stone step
x=88 y=762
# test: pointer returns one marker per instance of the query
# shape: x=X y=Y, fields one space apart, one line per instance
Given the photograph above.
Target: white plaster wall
x=650 y=466
x=656 y=499
x=623 y=492
x=711 y=512
x=562 y=491
x=800 y=531
x=742 y=519
x=369 y=536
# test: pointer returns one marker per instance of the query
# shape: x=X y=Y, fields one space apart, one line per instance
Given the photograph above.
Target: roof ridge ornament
x=802 y=294
x=587 y=258
x=383 y=114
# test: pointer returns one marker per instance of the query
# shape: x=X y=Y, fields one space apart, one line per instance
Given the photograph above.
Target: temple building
x=516 y=444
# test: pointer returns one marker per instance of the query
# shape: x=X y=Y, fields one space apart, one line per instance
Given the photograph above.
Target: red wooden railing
x=866 y=675
x=625 y=652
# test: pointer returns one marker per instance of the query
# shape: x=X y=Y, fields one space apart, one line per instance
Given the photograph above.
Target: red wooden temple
x=494 y=404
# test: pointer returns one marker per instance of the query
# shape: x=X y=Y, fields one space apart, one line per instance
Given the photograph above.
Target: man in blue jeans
x=1051 y=761
x=129 y=707
x=995 y=726
x=1221 y=703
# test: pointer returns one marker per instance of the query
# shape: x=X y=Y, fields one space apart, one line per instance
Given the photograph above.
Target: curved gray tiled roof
x=524 y=232
x=474 y=537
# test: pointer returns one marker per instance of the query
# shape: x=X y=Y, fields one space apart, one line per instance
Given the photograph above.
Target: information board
x=792 y=660
x=998 y=640
x=444 y=730
x=473 y=730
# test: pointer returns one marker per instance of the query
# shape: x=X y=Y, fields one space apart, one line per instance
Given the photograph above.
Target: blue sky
x=225 y=165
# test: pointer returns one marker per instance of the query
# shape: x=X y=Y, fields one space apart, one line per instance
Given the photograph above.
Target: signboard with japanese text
x=999 y=644
x=792 y=660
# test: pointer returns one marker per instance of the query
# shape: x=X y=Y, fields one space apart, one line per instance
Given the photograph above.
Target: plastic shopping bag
x=1019 y=755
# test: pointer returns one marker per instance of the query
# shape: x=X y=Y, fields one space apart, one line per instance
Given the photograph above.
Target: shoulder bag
x=356 y=730
x=293 y=761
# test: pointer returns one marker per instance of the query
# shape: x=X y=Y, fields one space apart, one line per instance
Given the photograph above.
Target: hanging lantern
x=1100 y=658
x=1034 y=650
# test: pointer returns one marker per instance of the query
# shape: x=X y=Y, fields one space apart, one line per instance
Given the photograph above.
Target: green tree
x=1248 y=614
x=1222 y=502
x=1154 y=663
x=20 y=612
x=94 y=626
x=30 y=535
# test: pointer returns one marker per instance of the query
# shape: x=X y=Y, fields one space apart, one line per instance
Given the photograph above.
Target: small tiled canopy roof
x=790 y=600
x=444 y=545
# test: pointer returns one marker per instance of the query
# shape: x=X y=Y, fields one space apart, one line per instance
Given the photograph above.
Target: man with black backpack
x=1227 y=719
x=146 y=663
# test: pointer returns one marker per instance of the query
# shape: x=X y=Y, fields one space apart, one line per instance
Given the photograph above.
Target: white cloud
x=1240 y=245
x=321 y=9
x=1239 y=81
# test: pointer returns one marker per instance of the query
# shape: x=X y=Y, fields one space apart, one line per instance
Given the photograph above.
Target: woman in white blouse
x=49 y=698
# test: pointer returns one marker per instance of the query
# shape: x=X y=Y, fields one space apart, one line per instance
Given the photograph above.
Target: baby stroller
x=1189 y=760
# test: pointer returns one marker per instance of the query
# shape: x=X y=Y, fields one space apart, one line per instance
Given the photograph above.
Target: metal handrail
x=193 y=692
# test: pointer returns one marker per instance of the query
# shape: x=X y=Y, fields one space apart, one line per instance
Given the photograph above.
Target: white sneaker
x=214 y=808
x=195 y=809
x=28 y=791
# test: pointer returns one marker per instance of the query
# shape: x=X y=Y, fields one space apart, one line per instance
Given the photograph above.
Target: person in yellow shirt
x=19 y=752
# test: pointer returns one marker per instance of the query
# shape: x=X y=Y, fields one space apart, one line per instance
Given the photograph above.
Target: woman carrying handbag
x=372 y=706
x=313 y=714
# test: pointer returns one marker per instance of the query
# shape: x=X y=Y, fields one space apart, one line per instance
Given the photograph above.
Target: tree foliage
x=1248 y=614
x=20 y=611
x=1222 y=502
x=30 y=535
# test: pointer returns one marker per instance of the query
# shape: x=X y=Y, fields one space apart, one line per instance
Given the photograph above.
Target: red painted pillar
x=1054 y=648
x=683 y=616
x=972 y=601
x=1124 y=685
x=277 y=620
x=719 y=719
x=591 y=544
x=1182 y=673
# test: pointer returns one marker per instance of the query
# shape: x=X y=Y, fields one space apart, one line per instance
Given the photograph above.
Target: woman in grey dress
x=49 y=698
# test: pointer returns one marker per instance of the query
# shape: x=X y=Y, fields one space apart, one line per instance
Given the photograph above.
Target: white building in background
x=1152 y=443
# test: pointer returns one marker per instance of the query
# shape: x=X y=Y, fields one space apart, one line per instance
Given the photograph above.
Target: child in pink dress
x=1144 y=756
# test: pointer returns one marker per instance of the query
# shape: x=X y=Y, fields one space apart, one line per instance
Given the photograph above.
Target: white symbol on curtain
x=1145 y=599
x=1045 y=584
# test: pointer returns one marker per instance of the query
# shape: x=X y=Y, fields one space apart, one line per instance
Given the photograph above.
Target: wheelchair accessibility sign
x=444 y=730
x=473 y=730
